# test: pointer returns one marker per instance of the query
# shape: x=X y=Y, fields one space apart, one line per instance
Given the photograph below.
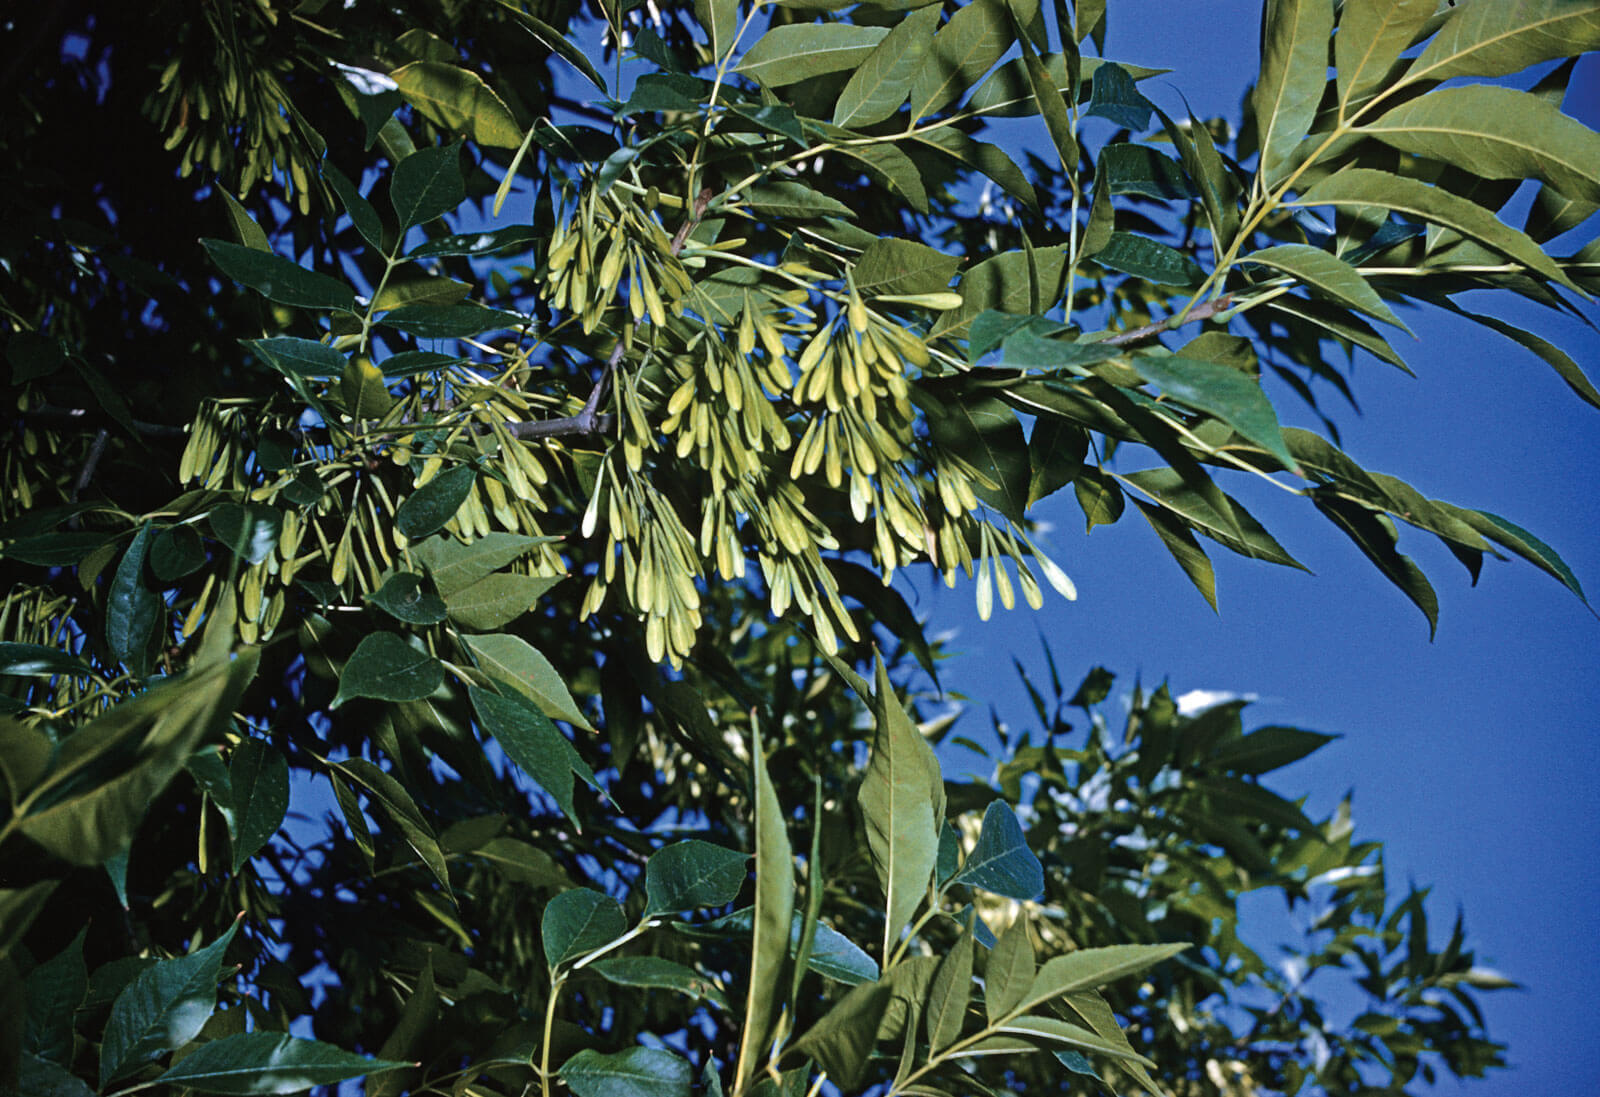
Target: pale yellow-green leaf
x=876 y=89
x=1326 y=274
x=457 y=100
x=720 y=20
x=977 y=36
x=1372 y=35
x=796 y=51
x=1294 y=69
x=365 y=394
x=1499 y=37
x=769 y=949
x=1368 y=187
x=1498 y=133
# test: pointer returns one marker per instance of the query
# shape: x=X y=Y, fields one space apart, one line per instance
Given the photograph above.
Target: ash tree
x=460 y=454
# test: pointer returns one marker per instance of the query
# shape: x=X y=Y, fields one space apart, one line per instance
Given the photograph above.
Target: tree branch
x=1150 y=331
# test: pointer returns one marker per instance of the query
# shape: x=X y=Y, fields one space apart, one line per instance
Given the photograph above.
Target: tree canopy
x=461 y=455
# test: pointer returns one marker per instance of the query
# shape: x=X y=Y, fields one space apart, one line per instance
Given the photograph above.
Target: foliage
x=526 y=475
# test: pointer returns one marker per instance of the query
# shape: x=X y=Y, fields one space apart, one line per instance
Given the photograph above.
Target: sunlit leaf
x=799 y=51
x=515 y=662
x=1294 y=68
x=458 y=101
x=881 y=82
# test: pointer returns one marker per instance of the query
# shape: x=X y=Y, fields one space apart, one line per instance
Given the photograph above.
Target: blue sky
x=1472 y=756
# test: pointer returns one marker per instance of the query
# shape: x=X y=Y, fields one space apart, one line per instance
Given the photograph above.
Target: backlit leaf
x=1372 y=35
x=1001 y=861
x=1009 y=973
x=454 y=566
x=947 y=999
x=893 y=266
x=268 y=1063
x=878 y=87
x=458 y=101
x=518 y=664
x=1089 y=968
x=774 y=920
x=1499 y=37
x=798 y=51
x=1294 y=68
x=498 y=599
x=1497 y=133
x=965 y=48
x=1328 y=275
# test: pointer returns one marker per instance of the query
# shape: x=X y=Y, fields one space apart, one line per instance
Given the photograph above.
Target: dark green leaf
x=416 y=363
x=176 y=551
x=1099 y=497
x=450 y=321
x=434 y=503
x=1179 y=541
x=1376 y=538
x=1116 y=97
x=476 y=244
x=248 y=530
x=1223 y=393
x=32 y=356
x=133 y=610
x=258 y=776
x=984 y=432
x=39 y=661
x=1524 y=544
x=532 y=743
x=1267 y=749
x=55 y=989
x=42 y=1078
x=454 y=566
x=1001 y=862
x=294 y=357
x=655 y=972
x=162 y=1009
x=1138 y=169
x=579 y=921
x=691 y=874
x=279 y=279
x=362 y=215
x=1232 y=526
x=389 y=794
x=428 y=184
x=559 y=43
x=1148 y=259
x=245 y=230
x=268 y=1063
x=1009 y=974
x=403 y=598
x=636 y=1072
x=386 y=668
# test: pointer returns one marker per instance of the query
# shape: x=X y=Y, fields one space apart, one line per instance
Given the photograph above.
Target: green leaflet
x=1220 y=391
x=1055 y=1030
x=386 y=668
x=902 y=804
x=250 y=531
x=1217 y=515
x=1009 y=973
x=1090 y=968
x=691 y=874
x=947 y=999
x=497 y=600
x=1328 y=275
x=258 y=781
x=427 y=184
x=1001 y=282
x=657 y=972
x=279 y=279
x=1149 y=259
x=1372 y=35
x=986 y=159
x=773 y=918
x=533 y=744
x=133 y=609
x=1294 y=68
x=1177 y=539
x=433 y=504
x=794 y=52
x=893 y=266
x=56 y=989
x=162 y=1009
x=268 y=1063
x=965 y=48
x=558 y=43
x=417 y=1017
x=1497 y=133
x=362 y=214
x=720 y=20
x=1499 y=37
x=1001 y=861
x=1052 y=106
x=1374 y=534
x=878 y=87
x=386 y=792
x=403 y=598
x=454 y=566
x=579 y=921
x=458 y=101
x=512 y=661
x=986 y=433
x=296 y=357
